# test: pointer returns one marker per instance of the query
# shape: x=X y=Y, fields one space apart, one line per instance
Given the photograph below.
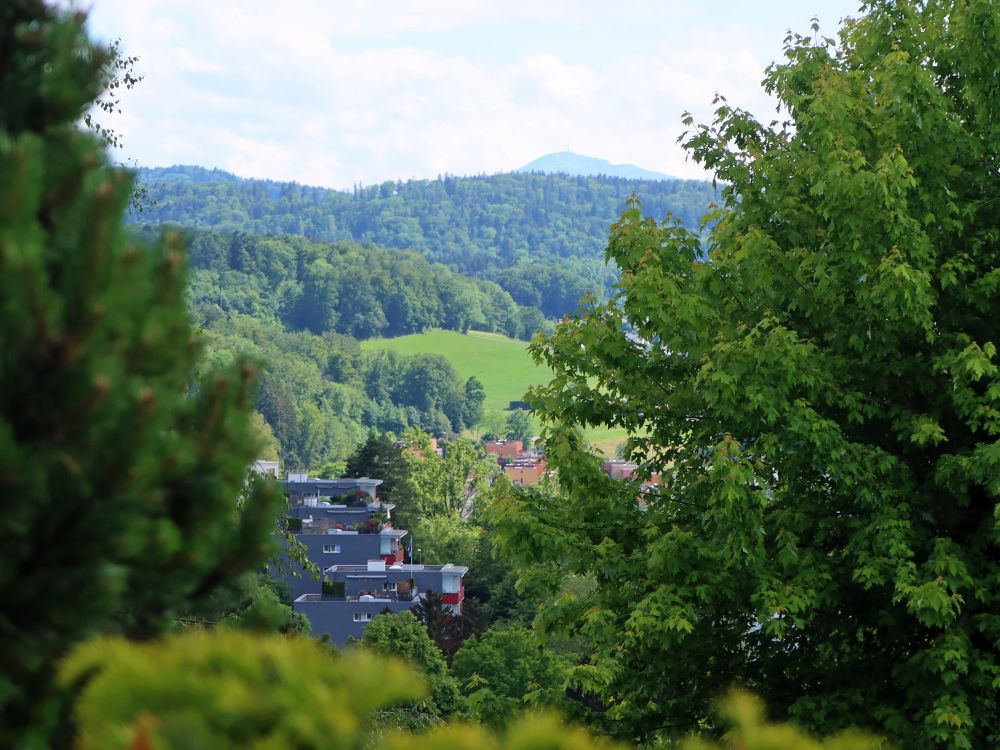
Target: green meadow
x=501 y=364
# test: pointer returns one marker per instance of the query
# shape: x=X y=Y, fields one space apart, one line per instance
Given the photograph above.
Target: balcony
x=322 y=526
x=400 y=591
x=391 y=558
x=373 y=597
x=454 y=597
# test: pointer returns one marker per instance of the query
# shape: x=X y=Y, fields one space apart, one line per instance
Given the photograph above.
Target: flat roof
x=408 y=567
x=340 y=482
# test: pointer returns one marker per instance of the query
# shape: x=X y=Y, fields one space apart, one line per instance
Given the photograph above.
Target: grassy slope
x=501 y=364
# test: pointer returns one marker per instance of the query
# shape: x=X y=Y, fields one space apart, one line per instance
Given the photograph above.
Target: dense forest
x=293 y=276
x=342 y=287
x=321 y=394
x=541 y=237
x=298 y=308
x=472 y=224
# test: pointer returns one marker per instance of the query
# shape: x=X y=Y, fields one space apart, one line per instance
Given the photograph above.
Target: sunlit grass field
x=501 y=364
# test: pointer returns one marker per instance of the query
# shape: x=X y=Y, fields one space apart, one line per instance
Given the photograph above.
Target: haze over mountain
x=566 y=162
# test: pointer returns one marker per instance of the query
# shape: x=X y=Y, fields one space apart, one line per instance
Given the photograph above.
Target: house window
x=388 y=586
x=362 y=617
x=331 y=548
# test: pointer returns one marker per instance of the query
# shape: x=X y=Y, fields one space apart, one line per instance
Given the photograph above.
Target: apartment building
x=347 y=532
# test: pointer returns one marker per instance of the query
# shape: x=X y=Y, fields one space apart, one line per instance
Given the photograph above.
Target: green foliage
x=228 y=689
x=360 y=291
x=446 y=538
x=254 y=601
x=267 y=443
x=224 y=689
x=540 y=731
x=554 y=289
x=502 y=365
x=504 y=671
x=404 y=636
x=821 y=397
x=119 y=75
x=375 y=458
x=320 y=395
x=493 y=576
x=428 y=383
x=475 y=397
x=119 y=469
x=750 y=731
x=442 y=484
x=539 y=236
x=519 y=426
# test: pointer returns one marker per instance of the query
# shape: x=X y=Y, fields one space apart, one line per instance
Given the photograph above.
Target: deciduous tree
x=442 y=484
x=404 y=636
x=818 y=384
x=475 y=395
x=506 y=670
x=519 y=426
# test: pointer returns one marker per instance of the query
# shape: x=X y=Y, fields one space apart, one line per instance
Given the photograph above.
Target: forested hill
x=475 y=225
x=342 y=288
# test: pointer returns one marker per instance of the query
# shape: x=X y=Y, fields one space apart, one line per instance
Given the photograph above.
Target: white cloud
x=344 y=91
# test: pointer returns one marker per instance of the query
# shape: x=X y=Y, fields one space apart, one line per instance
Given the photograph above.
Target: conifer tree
x=118 y=474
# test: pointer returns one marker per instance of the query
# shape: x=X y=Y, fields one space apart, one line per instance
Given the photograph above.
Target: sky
x=342 y=92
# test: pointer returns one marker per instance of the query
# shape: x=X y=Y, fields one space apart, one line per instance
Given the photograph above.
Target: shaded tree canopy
x=404 y=636
x=505 y=670
x=356 y=290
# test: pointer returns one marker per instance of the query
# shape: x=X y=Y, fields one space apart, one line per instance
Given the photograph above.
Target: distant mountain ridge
x=566 y=162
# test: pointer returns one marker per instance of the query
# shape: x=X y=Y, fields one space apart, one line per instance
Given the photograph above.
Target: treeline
x=321 y=395
x=501 y=228
x=342 y=287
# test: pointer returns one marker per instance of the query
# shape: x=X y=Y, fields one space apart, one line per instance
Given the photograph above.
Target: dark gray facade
x=301 y=490
x=345 y=531
x=338 y=619
x=345 y=547
x=399 y=587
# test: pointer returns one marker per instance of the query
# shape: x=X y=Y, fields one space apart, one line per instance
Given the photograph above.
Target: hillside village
x=356 y=564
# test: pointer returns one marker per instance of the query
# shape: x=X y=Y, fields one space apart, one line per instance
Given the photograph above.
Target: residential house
x=526 y=470
x=347 y=532
x=619 y=469
x=504 y=448
x=353 y=595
